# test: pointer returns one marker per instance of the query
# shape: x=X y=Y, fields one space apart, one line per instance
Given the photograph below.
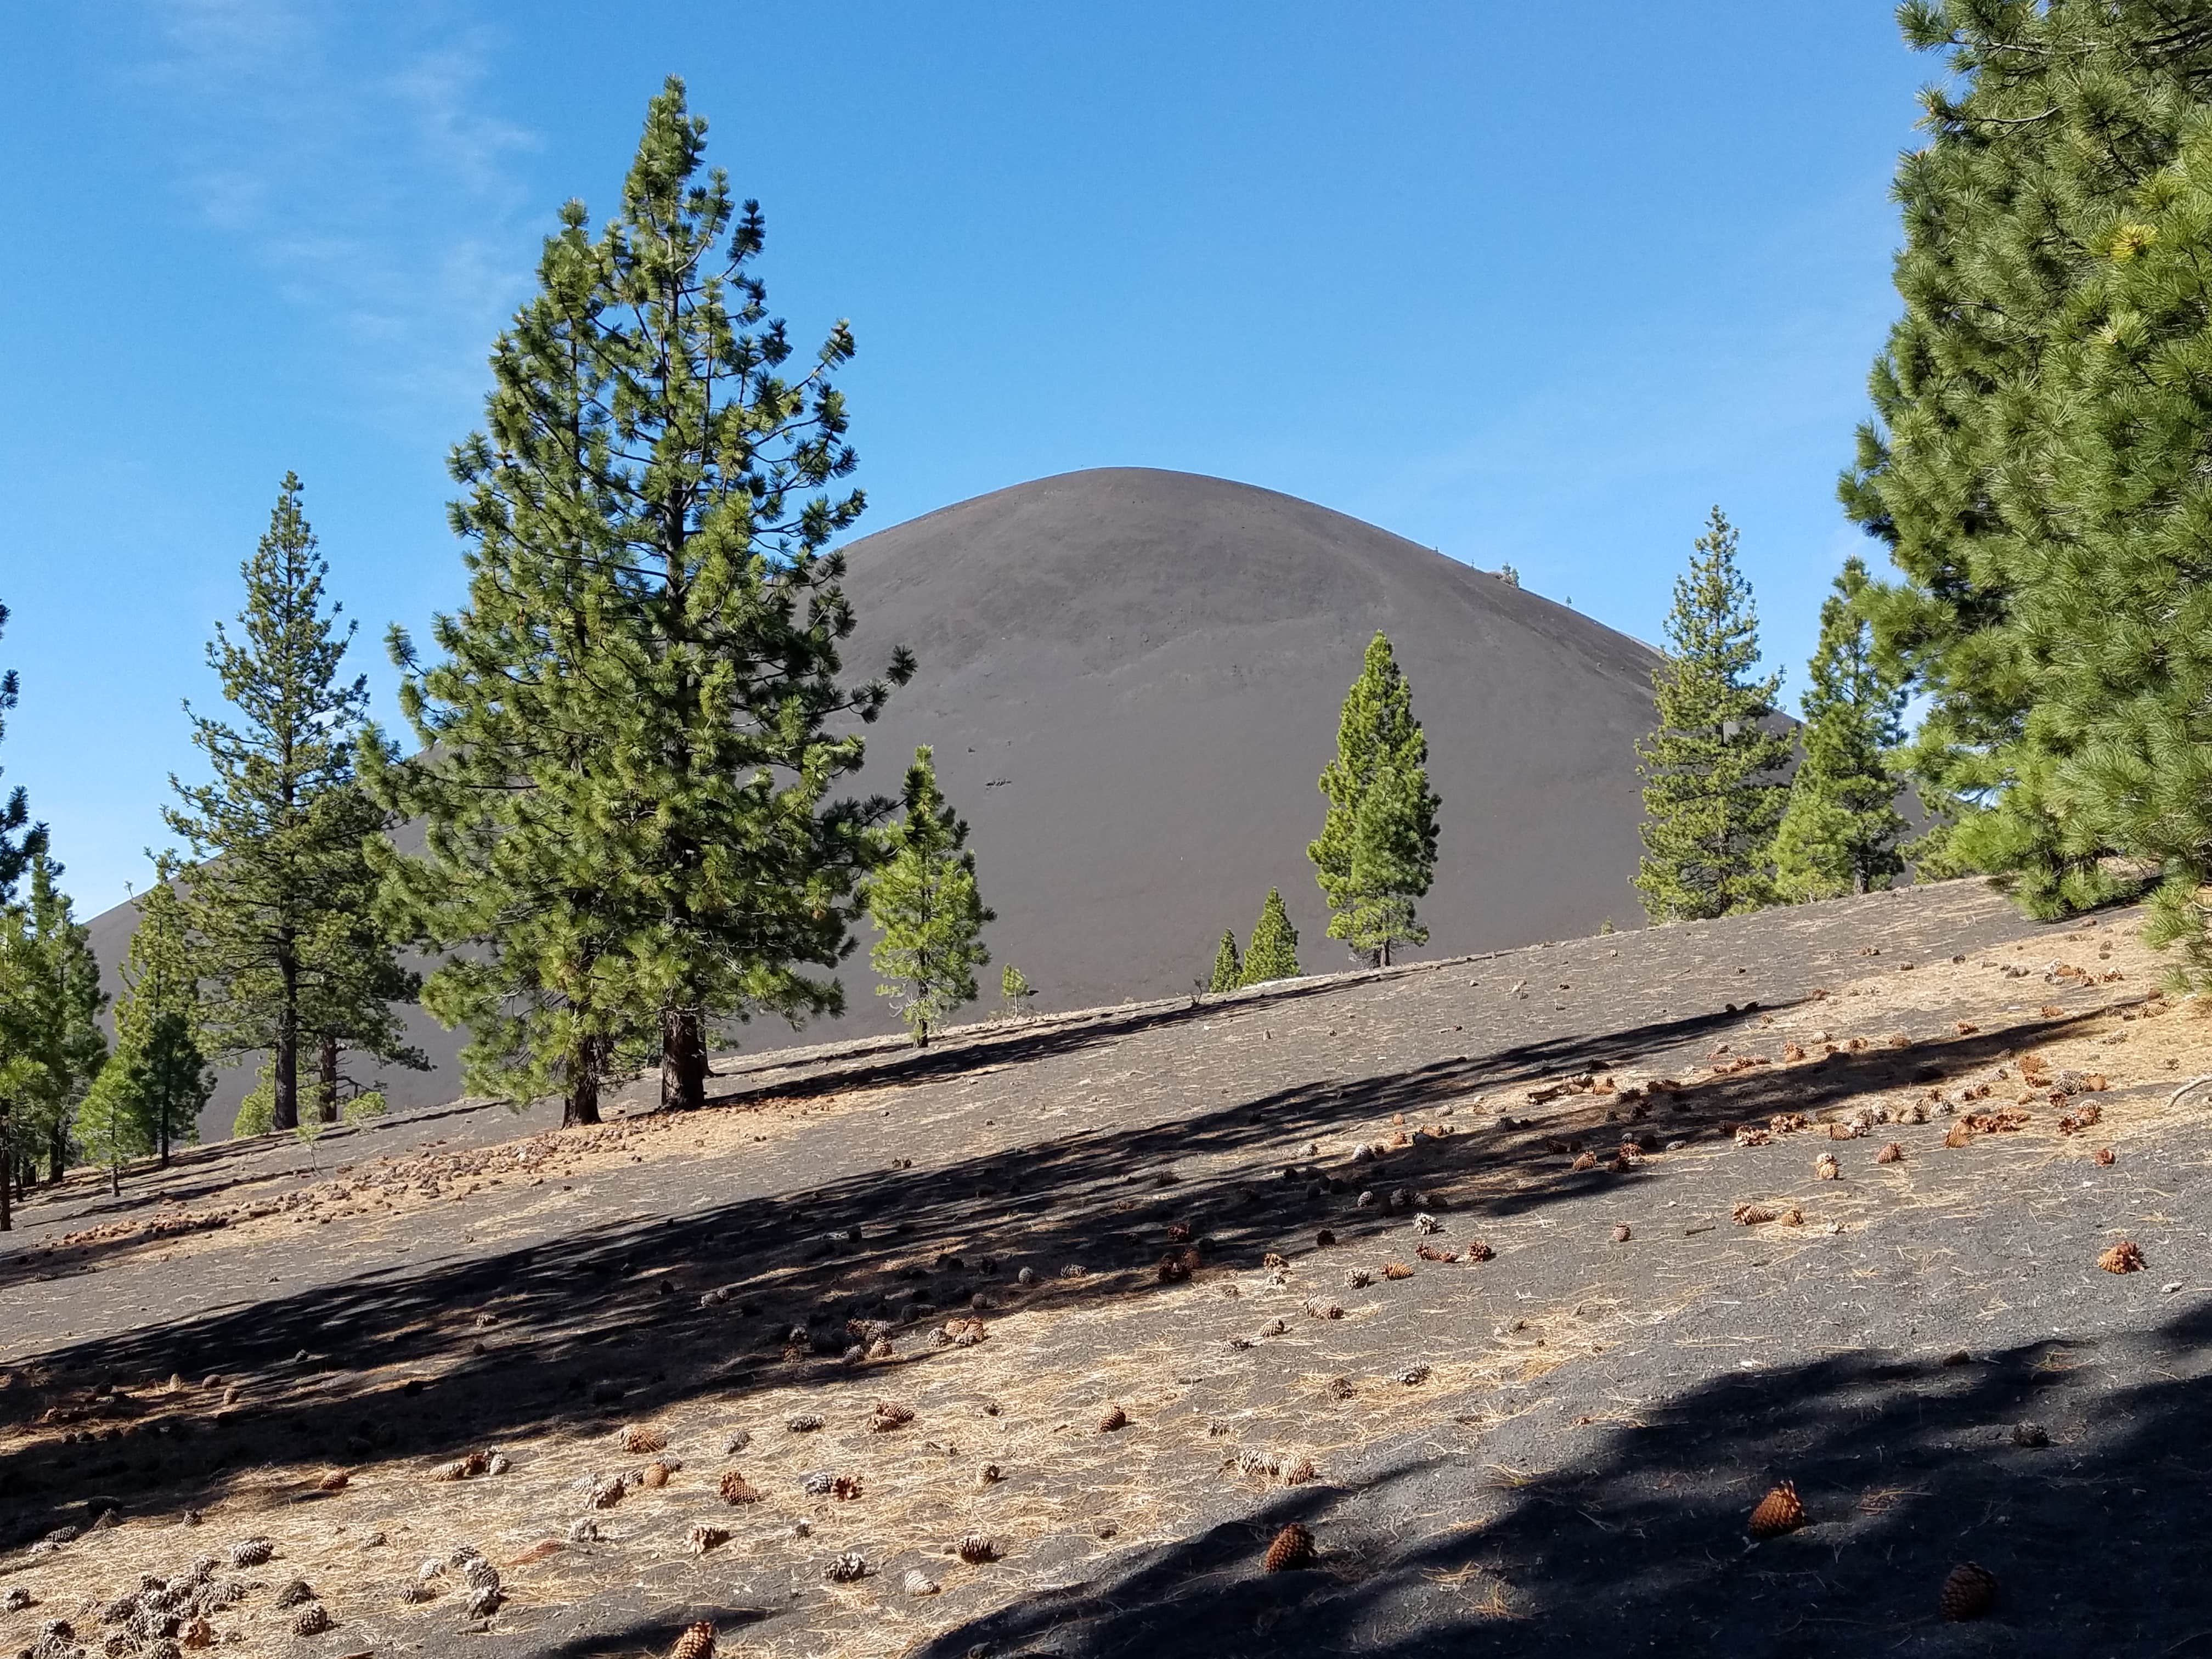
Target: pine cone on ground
x=1479 y=1251
x=1778 y=1512
x=1293 y=1548
x=1892 y=1153
x=1586 y=1162
x=890 y=1414
x=1969 y=1591
x=1396 y=1270
x=1751 y=1215
x=1620 y=1234
x=638 y=1442
x=976 y=1550
x=1274 y=1259
x=656 y=1473
x=1324 y=1239
x=697 y=1641
x=735 y=1489
x=311 y=1620
x=337 y=1481
x=2122 y=1258
x=1171 y=1270
x=1430 y=1253
x=2104 y=1157
x=704 y=1537
x=845 y=1488
x=1825 y=1166
x=1111 y=1419
x=1958 y=1135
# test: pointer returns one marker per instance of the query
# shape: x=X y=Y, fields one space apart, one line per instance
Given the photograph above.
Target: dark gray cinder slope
x=1132 y=678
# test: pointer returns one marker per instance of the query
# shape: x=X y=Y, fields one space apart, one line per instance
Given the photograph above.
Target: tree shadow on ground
x=1637 y=1544
x=611 y=1319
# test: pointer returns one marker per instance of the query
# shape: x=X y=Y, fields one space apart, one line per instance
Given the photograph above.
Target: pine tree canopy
x=1713 y=785
x=1840 y=832
x=1274 y=952
x=2022 y=195
x=629 y=757
x=2111 y=605
x=1228 y=967
x=1377 y=850
x=922 y=898
x=277 y=895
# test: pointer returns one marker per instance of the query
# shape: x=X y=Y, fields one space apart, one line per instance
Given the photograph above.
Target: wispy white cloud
x=356 y=157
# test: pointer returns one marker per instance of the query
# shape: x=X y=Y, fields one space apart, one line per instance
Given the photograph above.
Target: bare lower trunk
x=115 y=1179
x=580 y=1105
x=327 y=1082
x=285 y=1114
x=7 y=1177
x=683 y=1062
x=57 y=1154
x=1386 y=954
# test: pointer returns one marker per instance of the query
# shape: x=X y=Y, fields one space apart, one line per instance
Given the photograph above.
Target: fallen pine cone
x=311 y=1620
x=464 y=1468
x=845 y=1488
x=1969 y=1591
x=1274 y=1259
x=1178 y=1232
x=976 y=1550
x=1825 y=1166
x=1429 y=1253
x=2105 y=1156
x=1778 y=1512
x=1171 y=1270
x=1111 y=1419
x=638 y=1442
x=1293 y=1548
x=1958 y=1135
x=1748 y=1135
x=1892 y=1153
x=1751 y=1215
x=704 y=1537
x=1324 y=1239
x=2081 y=1118
x=697 y=1641
x=656 y=1473
x=1620 y=1234
x=1587 y=1161
x=337 y=1481
x=1396 y=1270
x=1479 y=1251
x=1793 y=1217
x=2122 y=1258
x=890 y=1414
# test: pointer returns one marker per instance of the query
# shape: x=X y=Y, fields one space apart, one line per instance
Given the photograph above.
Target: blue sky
x=1531 y=284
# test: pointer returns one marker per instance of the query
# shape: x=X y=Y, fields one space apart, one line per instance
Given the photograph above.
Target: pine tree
x=1273 y=953
x=159 y=1017
x=2111 y=608
x=1378 y=851
x=20 y=839
x=1228 y=969
x=1713 y=787
x=628 y=743
x=110 y=1124
x=922 y=898
x=1016 y=990
x=2054 y=115
x=276 y=895
x=50 y=1024
x=1840 y=834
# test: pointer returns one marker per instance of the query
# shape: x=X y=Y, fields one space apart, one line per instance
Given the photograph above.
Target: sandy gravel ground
x=1524 y=1397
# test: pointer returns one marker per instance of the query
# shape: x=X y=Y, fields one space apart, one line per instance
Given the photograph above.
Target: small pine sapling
x=922 y=898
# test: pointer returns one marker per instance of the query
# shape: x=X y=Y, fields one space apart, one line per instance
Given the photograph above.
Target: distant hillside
x=1130 y=678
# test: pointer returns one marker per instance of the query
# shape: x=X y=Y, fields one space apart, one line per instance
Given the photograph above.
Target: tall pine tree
x=2112 y=607
x=1840 y=832
x=1713 y=787
x=2054 y=115
x=1273 y=953
x=922 y=898
x=68 y=1044
x=1377 y=850
x=629 y=751
x=278 y=833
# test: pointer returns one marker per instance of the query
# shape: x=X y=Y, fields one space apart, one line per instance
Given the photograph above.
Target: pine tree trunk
x=327 y=1093
x=1385 y=962
x=115 y=1178
x=57 y=1154
x=580 y=1106
x=683 y=1062
x=7 y=1216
